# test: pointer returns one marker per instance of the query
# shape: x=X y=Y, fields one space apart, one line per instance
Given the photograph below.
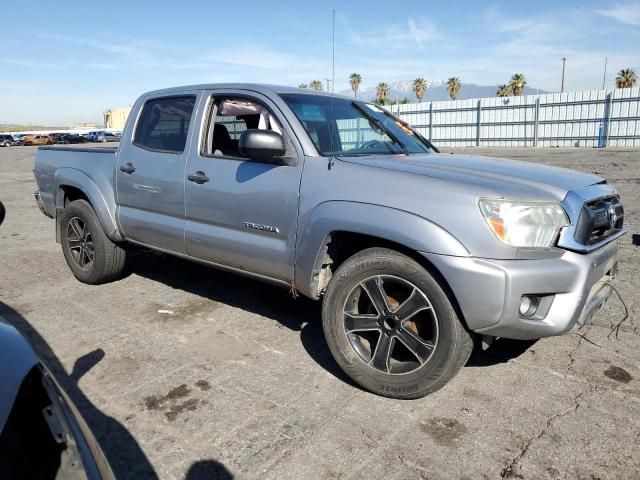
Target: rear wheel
x=391 y=326
x=91 y=255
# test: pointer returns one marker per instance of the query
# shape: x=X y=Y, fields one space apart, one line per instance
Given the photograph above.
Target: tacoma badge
x=262 y=228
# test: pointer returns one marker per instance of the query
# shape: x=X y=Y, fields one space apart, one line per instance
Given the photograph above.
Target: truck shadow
x=300 y=314
x=125 y=456
x=501 y=351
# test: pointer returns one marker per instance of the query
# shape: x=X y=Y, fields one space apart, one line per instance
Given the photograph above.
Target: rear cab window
x=164 y=124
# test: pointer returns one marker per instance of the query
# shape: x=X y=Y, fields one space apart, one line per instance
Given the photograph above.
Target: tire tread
x=462 y=339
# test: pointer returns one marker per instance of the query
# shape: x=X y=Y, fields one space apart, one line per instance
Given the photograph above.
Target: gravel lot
x=238 y=382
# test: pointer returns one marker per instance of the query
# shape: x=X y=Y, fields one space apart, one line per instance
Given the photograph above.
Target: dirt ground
x=237 y=381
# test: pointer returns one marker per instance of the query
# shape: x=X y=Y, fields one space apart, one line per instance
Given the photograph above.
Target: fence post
x=536 y=119
x=479 y=115
x=430 y=121
x=607 y=118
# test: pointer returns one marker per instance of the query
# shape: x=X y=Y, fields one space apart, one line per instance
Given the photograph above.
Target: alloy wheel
x=391 y=324
x=80 y=243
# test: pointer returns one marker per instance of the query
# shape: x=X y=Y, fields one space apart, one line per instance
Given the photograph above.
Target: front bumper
x=489 y=291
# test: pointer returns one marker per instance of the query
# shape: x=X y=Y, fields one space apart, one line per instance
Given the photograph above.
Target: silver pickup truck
x=414 y=253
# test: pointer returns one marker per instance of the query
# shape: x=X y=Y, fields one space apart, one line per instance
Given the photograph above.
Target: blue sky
x=67 y=61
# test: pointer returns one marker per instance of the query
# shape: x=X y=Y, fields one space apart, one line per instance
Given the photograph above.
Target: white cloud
x=628 y=14
x=133 y=49
x=416 y=32
x=33 y=64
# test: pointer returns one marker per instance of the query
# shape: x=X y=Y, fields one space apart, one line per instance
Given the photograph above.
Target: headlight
x=524 y=224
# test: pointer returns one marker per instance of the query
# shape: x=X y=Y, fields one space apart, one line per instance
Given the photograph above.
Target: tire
x=83 y=236
x=419 y=318
x=28 y=144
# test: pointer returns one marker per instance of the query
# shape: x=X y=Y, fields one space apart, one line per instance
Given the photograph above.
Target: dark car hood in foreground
x=42 y=434
x=17 y=358
x=483 y=170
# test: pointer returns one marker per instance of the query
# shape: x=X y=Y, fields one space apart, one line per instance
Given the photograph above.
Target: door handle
x=198 y=177
x=127 y=168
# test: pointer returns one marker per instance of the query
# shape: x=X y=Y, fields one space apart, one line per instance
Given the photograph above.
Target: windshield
x=339 y=126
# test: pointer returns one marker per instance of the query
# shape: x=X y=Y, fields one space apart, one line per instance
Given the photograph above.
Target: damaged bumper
x=568 y=290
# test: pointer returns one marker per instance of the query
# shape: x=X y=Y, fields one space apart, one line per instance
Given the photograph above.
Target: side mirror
x=261 y=145
x=1 y=212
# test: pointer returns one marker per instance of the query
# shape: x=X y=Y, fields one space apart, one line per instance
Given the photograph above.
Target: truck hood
x=497 y=174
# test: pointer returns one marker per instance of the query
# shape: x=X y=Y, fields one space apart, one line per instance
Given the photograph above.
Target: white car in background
x=6 y=140
x=102 y=136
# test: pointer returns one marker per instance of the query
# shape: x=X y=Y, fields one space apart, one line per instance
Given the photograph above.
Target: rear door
x=150 y=172
x=245 y=214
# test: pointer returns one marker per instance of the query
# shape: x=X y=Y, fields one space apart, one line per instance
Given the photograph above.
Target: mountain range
x=436 y=92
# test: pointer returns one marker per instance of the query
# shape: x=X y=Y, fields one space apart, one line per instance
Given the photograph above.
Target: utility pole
x=564 y=61
x=604 y=76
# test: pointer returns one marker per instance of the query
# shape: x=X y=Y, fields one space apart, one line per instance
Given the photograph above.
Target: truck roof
x=256 y=87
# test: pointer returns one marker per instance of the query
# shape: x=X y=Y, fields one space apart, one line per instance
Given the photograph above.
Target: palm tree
x=315 y=85
x=453 y=87
x=504 y=91
x=355 y=80
x=382 y=92
x=303 y=85
x=419 y=88
x=626 y=78
x=517 y=83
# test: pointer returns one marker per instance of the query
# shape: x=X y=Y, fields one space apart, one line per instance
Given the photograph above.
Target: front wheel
x=91 y=255
x=391 y=326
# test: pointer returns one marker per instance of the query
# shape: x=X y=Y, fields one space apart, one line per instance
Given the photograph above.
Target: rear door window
x=164 y=124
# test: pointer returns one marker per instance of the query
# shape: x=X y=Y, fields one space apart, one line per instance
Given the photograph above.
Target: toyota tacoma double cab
x=413 y=253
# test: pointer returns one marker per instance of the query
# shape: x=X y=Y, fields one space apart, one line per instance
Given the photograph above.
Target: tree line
x=626 y=78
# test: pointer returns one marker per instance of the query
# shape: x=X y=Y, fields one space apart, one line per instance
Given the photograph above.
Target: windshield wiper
x=381 y=126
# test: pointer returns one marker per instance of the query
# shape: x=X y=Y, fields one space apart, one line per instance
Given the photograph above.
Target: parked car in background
x=17 y=139
x=93 y=136
x=109 y=137
x=56 y=136
x=6 y=140
x=413 y=252
x=29 y=140
x=72 y=138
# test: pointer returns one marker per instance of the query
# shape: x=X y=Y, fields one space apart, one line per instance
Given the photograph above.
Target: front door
x=242 y=212
x=150 y=173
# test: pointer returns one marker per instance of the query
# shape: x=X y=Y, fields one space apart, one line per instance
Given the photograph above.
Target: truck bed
x=90 y=169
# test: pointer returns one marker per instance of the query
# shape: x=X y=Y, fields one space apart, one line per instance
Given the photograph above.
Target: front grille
x=599 y=220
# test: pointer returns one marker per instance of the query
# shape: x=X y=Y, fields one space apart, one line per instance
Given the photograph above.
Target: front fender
x=72 y=177
x=399 y=226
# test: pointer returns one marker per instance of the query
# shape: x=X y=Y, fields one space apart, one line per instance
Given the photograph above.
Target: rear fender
x=71 y=177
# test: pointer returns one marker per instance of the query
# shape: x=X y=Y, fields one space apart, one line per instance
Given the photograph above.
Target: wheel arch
x=336 y=230
x=72 y=184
